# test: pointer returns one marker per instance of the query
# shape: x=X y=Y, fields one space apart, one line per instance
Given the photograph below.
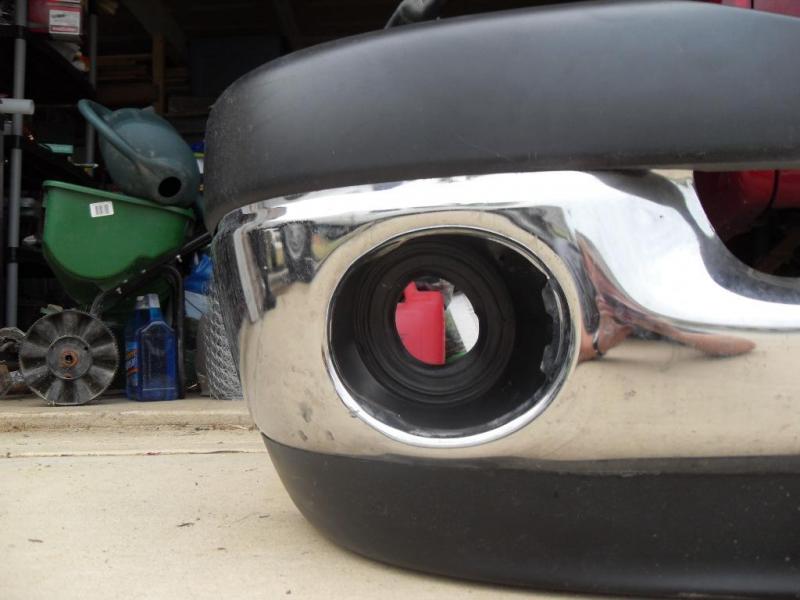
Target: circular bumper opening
x=396 y=346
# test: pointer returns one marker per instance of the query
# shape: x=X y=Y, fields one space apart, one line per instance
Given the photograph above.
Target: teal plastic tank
x=145 y=156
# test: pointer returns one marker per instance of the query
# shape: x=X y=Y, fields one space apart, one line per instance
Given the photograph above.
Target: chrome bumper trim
x=709 y=370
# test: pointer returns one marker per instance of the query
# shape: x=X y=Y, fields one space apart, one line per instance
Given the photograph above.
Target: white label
x=66 y=20
x=101 y=209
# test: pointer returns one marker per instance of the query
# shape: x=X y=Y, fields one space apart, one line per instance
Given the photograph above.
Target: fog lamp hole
x=436 y=321
x=447 y=335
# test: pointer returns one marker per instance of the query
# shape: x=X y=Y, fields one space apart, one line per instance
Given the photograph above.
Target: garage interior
x=173 y=58
x=134 y=466
x=169 y=58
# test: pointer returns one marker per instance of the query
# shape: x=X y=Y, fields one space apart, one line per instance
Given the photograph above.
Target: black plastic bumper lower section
x=726 y=527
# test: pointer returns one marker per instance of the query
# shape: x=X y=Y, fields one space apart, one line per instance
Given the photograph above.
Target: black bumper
x=726 y=527
x=601 y=85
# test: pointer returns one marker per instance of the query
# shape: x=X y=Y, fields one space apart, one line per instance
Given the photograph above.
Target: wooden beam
x=288 y=24
x=159 y=72
x=157 y=20
x=113 y=60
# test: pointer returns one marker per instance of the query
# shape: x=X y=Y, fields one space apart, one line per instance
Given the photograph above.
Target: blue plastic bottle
x=137 y=319
x=195 y=288
x=158 y=361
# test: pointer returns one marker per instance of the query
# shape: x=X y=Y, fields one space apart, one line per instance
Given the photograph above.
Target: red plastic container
x=62 y=19
x=420 y=324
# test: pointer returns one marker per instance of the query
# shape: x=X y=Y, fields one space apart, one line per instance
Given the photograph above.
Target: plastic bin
x=93 y=240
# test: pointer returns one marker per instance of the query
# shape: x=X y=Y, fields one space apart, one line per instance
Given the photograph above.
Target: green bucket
x=94 y=240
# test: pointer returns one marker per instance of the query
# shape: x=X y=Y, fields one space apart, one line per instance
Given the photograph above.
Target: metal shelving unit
x=40 y=164
x=49 y=78
x=37 y=71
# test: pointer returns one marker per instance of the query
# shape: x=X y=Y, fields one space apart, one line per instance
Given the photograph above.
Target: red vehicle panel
x=735 y=200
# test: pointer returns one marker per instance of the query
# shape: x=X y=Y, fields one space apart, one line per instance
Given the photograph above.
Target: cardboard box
x=65 y=20
x=62 y=19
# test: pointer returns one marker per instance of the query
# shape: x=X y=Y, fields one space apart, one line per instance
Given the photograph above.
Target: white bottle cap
x=151 y=301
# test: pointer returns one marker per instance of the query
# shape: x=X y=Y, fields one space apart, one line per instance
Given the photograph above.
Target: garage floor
x=173 y=513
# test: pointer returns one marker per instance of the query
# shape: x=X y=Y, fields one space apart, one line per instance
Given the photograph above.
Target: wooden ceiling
x=300 y=23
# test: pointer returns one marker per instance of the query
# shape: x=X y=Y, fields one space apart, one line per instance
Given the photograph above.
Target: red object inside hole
x=419 y=319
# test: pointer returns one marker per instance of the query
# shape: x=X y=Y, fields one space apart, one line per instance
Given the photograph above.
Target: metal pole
x=15 y=186
x=7 y=106
x=2 y=210
x=90 y=139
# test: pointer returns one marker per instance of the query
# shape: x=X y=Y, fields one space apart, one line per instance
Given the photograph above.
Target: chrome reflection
x=682 y=350
x=619 y=317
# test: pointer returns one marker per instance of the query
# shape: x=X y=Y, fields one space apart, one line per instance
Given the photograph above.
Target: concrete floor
x=174 y=513
x=28 y=413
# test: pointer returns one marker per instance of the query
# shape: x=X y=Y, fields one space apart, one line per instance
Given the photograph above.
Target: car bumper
x=668 y=465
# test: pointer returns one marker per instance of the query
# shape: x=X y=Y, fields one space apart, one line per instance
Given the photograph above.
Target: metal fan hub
x=68 y=358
